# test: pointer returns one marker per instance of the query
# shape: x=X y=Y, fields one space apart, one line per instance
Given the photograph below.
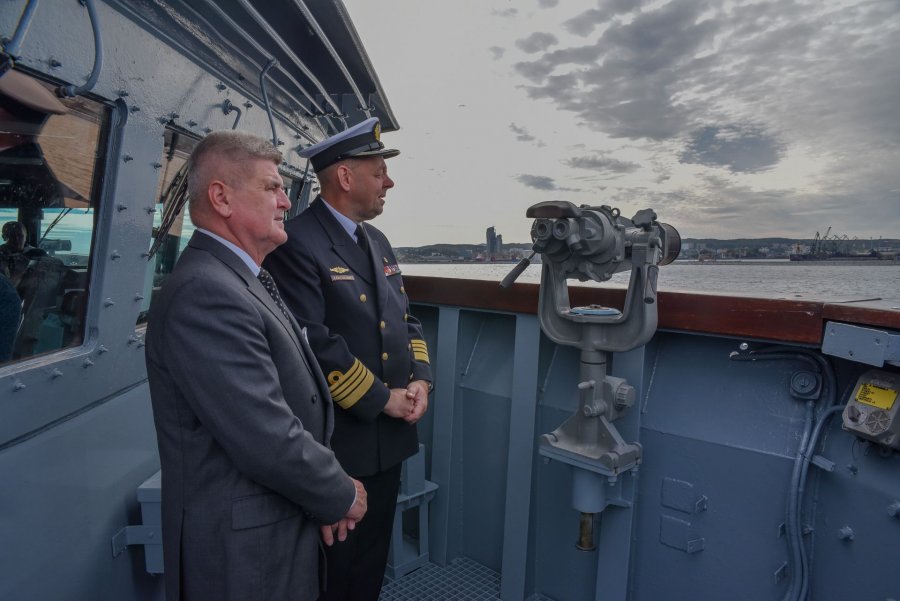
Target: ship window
x=49 y=186
x=171 y=209
x=172 y=225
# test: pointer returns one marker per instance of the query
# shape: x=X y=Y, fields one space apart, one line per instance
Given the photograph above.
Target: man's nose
x=283 y=201
x=388 y=182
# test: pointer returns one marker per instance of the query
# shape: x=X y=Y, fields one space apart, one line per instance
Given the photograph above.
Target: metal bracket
x=135 y=535
x=863 y=345
x=823 y=463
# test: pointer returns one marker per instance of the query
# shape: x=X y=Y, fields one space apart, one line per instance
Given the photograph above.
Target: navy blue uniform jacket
x=356 y=314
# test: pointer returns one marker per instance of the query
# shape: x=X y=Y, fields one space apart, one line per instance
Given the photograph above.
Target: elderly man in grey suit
x=242 y=411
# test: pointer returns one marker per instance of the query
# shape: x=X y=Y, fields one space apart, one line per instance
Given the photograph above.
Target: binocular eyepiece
x=593 y=243
x=596 y=242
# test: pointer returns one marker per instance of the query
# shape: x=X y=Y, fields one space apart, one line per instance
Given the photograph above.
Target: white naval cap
x=361 y=140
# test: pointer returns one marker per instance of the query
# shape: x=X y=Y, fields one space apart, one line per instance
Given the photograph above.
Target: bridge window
x=172 y=226
x=49 y=188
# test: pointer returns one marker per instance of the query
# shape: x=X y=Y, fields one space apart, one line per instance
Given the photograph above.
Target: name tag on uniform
x=340 y=274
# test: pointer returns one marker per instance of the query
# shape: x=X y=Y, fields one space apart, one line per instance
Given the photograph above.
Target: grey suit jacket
x=243 y=420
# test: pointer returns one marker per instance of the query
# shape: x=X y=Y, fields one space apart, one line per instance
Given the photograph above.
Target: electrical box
x=871 y=412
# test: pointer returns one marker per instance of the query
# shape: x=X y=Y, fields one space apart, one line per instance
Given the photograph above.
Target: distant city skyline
x=730 y=119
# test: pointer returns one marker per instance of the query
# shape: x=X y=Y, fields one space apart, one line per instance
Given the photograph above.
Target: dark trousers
x=356 y=566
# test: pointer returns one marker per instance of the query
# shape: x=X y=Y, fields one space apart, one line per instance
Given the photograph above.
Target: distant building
x=494 y=244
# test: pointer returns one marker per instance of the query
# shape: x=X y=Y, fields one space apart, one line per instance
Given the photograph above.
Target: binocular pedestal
x=594 y=243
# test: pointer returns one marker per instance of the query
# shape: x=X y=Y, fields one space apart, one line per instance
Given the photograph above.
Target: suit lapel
x=341 y=242
x=290 y=326
x=218 y=250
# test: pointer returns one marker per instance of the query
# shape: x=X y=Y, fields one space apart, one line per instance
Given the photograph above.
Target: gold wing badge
x=340 y=274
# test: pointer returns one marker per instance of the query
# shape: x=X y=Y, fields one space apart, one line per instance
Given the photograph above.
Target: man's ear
x=220 y=198
x=344 y=176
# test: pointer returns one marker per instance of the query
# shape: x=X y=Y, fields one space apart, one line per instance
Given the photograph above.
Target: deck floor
x=460 y=580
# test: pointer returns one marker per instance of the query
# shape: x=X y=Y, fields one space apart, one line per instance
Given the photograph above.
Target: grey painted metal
x=692 y=529
x=234 y=25
x=265 y=95
x=590 y=243
x=442 y=442
x=273 y=36
x=523 y=407
x=871 y=346
x=409 y=553
x=617 y=522
x=21 y=30
x=97 y=35
x=377 y=99
x=237 y=83
x=314 y=25
x=149 y=533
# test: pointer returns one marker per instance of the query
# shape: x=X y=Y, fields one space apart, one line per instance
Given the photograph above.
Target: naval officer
x=339 y=276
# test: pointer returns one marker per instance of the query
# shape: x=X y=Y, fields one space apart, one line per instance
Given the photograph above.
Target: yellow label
x=883 y=398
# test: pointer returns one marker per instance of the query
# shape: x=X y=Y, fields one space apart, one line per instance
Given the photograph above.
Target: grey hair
x=233 y=146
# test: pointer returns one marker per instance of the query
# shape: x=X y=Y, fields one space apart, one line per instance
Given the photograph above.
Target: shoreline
x=832 y=262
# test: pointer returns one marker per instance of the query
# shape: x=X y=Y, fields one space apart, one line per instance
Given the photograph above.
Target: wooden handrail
x=786 y=320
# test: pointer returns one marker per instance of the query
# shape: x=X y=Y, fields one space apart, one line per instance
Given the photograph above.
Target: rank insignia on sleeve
x=391 y=269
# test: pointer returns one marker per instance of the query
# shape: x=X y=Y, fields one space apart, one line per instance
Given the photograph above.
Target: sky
x=730 y=119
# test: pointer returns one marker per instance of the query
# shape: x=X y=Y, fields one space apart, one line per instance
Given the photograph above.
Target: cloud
x=541 y=182
x=547 y=3
x=626 y=81
x=744 y=87
x=506 y=12
x=497 y=52
x=537 y=42
x=523 y=135
x=718 y=206
x=602 y=164
x=745 y=149
x=589 y=20
x=584 y=23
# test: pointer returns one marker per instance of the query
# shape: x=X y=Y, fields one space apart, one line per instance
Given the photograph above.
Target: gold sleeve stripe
x=347 y=388
x=342 y=384
x=420 y=350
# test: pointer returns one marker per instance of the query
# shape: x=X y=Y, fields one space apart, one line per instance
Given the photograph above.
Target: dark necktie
x=361 y=239
x=265 y=278
x=268 y=282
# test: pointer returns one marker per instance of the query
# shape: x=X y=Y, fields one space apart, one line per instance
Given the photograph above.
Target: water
x=770 y=279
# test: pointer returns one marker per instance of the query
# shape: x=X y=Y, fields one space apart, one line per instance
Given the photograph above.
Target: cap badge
x=377 y=132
